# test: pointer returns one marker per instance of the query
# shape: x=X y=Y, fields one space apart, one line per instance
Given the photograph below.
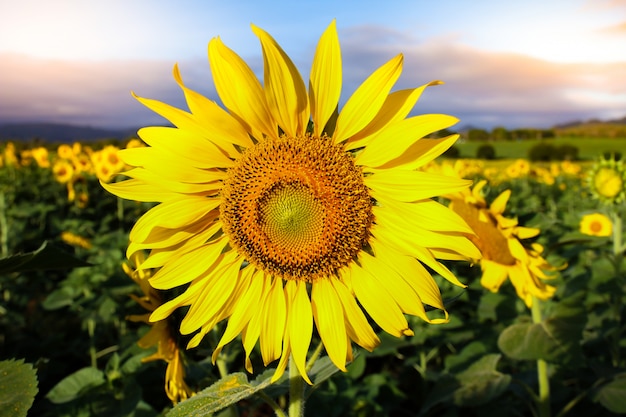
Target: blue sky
x=517 y=63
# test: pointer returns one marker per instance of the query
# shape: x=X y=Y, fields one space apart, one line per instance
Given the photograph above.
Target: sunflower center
x=296 y=207
x=291 y=217
x=595 y=227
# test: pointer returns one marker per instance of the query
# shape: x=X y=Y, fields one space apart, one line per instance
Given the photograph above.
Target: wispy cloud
x=482 y=88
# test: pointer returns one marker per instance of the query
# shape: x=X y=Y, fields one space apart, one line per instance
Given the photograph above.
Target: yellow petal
x=357 y=326
x=188 y=266
x=396 y=107
x=407 y=299
x=250 y=333
x=499 y=203
x=240 y=90
x=173 y=214
x=284 y=89
x=273 y=322
x=188 y=145
x=411 y=186
x=427 y=214
x=243 y=310
x=494 y=275
x=161 y=163
x=227 y=130
x=181 y=119
x=218 y=282
x=412 y=271
x=326 y=78
x=300 y=327
x=162 y=254
x=387 y=223
x=150 y=177
x=526 y=232
x=413 y=249
x=328 y=314
x=378 y=303
x=139 y=191
x=421 y=152
x=364 y=104
x=396 y=138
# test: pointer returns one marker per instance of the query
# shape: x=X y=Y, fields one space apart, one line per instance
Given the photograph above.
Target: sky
x=531 y=63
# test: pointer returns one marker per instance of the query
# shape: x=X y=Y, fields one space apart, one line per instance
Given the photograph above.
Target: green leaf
x=556 y=339
x=46 y=257
x=76 y=384
x=227 y=391
x=612 y=395
x=18 y=387
x=481 y=382
x=59 y=298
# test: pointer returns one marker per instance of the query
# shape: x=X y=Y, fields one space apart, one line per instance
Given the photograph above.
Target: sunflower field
x=76 y=339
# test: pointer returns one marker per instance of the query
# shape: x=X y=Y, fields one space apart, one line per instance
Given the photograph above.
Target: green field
x=589 y=148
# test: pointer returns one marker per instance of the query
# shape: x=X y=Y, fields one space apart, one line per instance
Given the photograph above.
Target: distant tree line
x=501 y=134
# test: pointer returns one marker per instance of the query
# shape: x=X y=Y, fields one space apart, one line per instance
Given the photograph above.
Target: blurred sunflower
x=596 y=224
x=282 y=195
x=606 y=180
x=63 y=171
x=500 y=241
x=160 y=334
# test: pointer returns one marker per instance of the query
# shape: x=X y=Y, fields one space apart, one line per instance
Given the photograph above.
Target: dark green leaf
x=46 y=257
x=59 y=298
x=72 y=386
x=612 y=395
x=481 y=382
x=18 y=387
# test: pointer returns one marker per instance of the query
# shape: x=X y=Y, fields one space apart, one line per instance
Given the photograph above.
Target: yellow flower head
x=596 y=224
x=65 y=152
x=606 y=180
x=63 y=171
x=40 y=154
x=10 y=157
x=278 y=226
x=161 y=335
x=500 y=241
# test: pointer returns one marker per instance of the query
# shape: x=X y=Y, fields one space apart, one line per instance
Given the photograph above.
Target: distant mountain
x=577 y=123
x=55 y=132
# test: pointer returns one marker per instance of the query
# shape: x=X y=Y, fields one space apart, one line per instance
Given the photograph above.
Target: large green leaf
x=46 y=257
x=555 y=339
x=225 y=392
x=18 y=387
x=612 y=395
x=72 y=386
x=481 y=382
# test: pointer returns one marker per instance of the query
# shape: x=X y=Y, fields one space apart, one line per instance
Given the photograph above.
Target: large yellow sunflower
x=500 y=241
x=279 y=213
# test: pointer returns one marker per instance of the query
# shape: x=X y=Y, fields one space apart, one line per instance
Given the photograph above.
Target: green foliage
x=486 y=151
x=18 y=387
x=71 y=324
x=542 y=152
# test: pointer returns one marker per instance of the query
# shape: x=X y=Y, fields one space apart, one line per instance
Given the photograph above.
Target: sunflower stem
x=4 y=228
x=543 y=400
x=617 y=300
x=296 y=390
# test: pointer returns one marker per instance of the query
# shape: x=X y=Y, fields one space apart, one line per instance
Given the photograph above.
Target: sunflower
x=63 y=171
x=500 y=241
x=596 y=224
x=279 y=213
x=606 y=180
